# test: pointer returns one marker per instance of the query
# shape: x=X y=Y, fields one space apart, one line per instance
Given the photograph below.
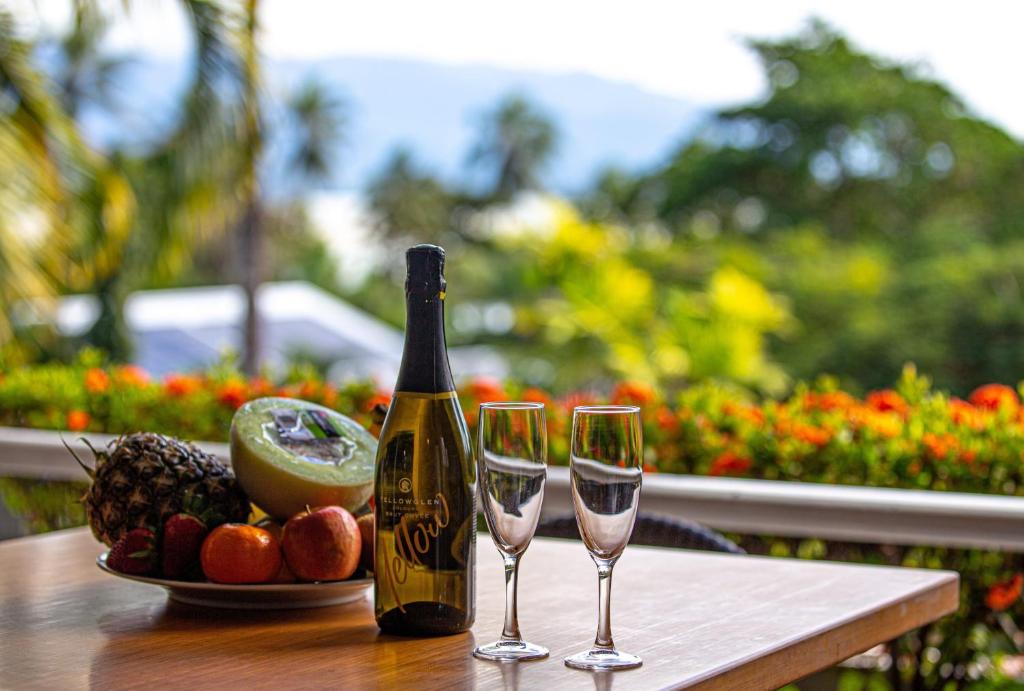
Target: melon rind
x=283 y=483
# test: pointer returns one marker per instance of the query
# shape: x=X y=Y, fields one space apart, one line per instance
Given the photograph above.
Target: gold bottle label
x=413 y=543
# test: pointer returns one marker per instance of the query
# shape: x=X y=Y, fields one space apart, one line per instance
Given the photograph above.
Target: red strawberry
x=183 y=537
x=135 y=553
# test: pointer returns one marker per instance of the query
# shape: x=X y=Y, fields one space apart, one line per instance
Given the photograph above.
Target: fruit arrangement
x=167 y=509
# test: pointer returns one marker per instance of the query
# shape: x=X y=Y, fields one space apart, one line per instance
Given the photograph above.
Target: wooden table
x=698 y=620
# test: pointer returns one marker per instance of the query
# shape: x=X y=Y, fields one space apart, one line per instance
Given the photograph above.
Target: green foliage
x=868 y=195
x=585 y=288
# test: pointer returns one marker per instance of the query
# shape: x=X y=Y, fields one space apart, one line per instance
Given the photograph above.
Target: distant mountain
x=434 y=110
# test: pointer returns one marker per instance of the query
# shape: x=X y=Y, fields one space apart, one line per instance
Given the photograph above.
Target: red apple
x=366 y=530
x=322 y=544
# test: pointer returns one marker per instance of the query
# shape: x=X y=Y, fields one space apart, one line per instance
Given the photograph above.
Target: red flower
x=181 y=384
x=887 y=400
x=78 y=420
x=666 y=419
x=536 y=396
x=232 y=393
x=633 y=392
x=576 y=399
x=729 y=463
x=994 y=397
x=1002 y=595
x=486 y=389
x=96 y=380
x=133 y=375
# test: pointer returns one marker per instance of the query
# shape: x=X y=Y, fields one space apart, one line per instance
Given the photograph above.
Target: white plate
x=263 y=596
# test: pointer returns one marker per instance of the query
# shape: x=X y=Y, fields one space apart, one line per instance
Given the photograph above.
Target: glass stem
x=604 y=604
x=511 y=630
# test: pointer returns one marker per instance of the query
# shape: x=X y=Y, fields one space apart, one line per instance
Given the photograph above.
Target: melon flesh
x=288 y=454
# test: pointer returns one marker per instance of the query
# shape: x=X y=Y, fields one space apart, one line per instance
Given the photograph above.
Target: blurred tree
x=408 y=202
x=65 y=213
x=866 y=193
x=864 y=147
x=318 y=118
x=86 y=73
x=515 y=142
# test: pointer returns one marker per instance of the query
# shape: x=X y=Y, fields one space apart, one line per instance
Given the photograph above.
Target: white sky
x=688 y=50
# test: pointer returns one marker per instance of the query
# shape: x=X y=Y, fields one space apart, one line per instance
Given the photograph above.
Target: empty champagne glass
x=512 y=456
x=606 y=469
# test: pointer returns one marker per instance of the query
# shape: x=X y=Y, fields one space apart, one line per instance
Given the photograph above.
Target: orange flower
x=939 y=445
x=96 y=380
x=179 y=385
x=309 y=389
x=261 y=386
x=132 y=375
x=828 y=400
x=994 y=397
x=379 y=398
x=887 y=400
x=577 y=398
x=1002 y=595
x=666 y=419
x=886 y=425
x=633 y=392
x=232 y=393
x=649 y=468
x=486 y=389
x=963 y=413
x=329 y=395
x=535 y=395
x=743 y=411
x=729 y=463
x=818 y=436
x=968 y=456
x=78 y=420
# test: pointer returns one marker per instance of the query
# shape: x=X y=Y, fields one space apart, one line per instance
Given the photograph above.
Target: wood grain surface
x=698 y=620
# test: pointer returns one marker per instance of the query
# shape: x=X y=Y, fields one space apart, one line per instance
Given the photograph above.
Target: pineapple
x=143 y=479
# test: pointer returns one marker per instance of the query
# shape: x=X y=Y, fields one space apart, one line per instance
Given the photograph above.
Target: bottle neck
x=425 y=366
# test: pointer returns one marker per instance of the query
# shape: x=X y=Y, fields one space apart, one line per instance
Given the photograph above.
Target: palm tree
x=86 y=73
x=65 y=213
x=110 y=223
x=409 y=203
x=516 y=141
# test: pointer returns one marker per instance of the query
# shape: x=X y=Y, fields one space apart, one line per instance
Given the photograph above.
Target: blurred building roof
x=185 y=329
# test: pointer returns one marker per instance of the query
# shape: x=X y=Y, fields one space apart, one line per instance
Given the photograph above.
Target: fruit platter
x=288 y=525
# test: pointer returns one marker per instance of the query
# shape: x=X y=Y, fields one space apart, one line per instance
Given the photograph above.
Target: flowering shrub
x=908 y=436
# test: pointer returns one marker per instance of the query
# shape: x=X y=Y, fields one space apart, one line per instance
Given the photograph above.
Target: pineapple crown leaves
x=90 y=471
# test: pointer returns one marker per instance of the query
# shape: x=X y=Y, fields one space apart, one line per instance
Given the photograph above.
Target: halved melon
x=288 y=454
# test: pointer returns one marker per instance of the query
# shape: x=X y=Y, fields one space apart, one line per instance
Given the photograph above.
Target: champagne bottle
x=425 y=487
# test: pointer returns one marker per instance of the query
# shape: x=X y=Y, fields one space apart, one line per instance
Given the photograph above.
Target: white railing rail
x=758 y=507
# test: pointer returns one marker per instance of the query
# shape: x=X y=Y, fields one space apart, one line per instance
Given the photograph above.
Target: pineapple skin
x=140 y=480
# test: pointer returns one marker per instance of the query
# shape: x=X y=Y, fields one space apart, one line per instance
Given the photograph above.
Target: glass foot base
x=600 y=658
x=511 y=650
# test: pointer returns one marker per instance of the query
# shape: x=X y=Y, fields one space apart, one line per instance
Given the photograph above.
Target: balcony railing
x=755 y=507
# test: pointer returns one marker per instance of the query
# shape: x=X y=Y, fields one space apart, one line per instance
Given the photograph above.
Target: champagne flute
x=606 y=470
x=512 y=460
